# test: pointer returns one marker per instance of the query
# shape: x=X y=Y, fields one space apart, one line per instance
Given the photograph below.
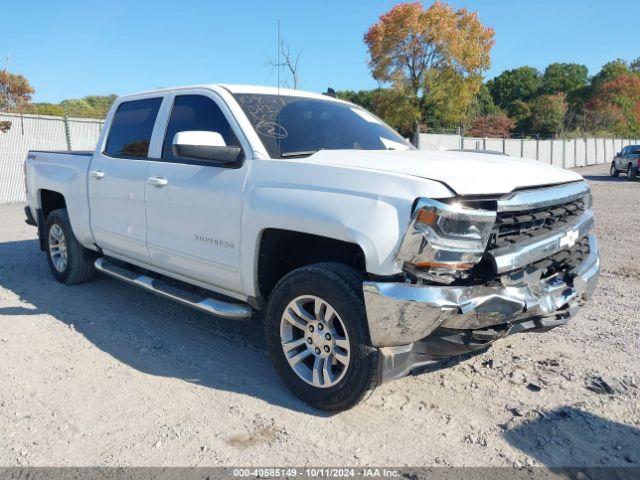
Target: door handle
x=97 y=174
x=157 y=182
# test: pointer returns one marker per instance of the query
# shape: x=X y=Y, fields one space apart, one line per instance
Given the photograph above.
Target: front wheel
x=69 y=261
x=613 y=171
x=318 y=338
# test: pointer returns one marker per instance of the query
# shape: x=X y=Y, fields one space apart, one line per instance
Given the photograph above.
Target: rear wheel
x=318 y=338
x=631 y=172
x=613 y=171
x=69 y=261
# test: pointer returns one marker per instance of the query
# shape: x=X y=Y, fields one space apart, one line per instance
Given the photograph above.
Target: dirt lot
x=104 y=374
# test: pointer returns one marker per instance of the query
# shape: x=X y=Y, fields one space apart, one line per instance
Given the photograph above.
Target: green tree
x=520 y=112
x=518 y=84
x=364 y=98
x=77 y=108
x=100 y=104
x=394 y=106
x=43 y=108
x=450 y=98
x=610 y=71
x=564 y=77
x=548 y=112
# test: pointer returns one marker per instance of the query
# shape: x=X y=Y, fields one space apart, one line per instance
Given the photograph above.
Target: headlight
x=443 y=241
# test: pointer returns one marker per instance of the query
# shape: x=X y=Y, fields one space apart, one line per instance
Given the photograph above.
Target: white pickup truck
x=369 y=258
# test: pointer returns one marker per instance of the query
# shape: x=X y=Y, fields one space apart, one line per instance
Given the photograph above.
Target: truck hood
x=466 y=173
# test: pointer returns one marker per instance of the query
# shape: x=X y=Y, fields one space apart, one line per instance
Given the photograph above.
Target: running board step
x=216 y=307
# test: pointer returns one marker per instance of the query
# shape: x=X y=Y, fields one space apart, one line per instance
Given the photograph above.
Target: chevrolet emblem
x=569 y=239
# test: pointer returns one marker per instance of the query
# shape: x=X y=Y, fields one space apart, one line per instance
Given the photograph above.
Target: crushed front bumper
x=401 y=314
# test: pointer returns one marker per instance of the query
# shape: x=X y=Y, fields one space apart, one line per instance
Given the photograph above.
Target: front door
x=620 y=165
x=193 y=207
x=117 y=180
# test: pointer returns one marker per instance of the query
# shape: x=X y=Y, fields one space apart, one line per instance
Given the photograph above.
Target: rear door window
x=196 y=112
x=131 y=128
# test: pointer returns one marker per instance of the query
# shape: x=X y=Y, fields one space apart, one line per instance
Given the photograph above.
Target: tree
x=520 y=112
x=364 y=98
x=291 y=61
x=43 y=108
x=15 y=94
x=77 y=108
x=483 y=103
x=100 y=104
x=564 y=77
x=408 y=44
x=392 y=105
x=496 y=125
x=618 y=102
x=450 y=98
x=518 y=84
x=548 y=112
x=634 y=66
x=610 y=71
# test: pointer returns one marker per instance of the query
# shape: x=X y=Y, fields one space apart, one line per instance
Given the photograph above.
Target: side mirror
x=203 y=145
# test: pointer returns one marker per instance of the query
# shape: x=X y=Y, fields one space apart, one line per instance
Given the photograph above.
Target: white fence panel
x=569 y=153
x=529 y=149
x=557 y=152
x=435 y=141
x=600 y=150
x=512 y=147
x=544 y=151
x=591 y=151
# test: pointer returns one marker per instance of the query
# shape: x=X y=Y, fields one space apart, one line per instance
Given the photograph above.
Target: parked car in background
x=628 y=161
x=368 y=257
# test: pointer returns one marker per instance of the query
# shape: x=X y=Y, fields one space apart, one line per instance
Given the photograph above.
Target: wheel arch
x=280 y=251
x=48 y=201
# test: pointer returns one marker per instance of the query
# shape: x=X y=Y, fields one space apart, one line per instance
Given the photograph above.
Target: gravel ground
x=104 y=374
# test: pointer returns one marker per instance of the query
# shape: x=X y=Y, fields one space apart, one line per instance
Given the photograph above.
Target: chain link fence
x=38 y=132
x=565 y=153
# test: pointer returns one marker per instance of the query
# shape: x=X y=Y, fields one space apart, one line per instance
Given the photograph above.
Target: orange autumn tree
x=15 y=94
x=411 y=45
x=618 y=101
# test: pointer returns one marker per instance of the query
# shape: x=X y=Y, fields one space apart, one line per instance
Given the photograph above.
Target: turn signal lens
x=427 y=217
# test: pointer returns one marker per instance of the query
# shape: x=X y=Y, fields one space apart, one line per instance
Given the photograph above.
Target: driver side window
x=196 y=112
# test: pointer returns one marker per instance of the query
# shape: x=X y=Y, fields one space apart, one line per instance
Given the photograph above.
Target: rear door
x=634 y=154
x=117 y=180
x=193 y=207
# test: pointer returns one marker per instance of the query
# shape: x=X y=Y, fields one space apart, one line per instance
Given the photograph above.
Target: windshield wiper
x=303 y=153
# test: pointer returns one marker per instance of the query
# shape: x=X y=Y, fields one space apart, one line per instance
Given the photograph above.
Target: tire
x=613 y=171
x=69 y=261
x=340 y=287
x=631 y=172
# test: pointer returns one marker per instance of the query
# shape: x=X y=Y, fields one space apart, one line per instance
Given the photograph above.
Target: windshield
x=292 y=126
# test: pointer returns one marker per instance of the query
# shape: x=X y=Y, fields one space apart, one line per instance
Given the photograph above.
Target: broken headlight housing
x=444 y=241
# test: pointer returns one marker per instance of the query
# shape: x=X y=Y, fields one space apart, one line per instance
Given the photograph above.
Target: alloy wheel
x=315 y=341
x=58 y=248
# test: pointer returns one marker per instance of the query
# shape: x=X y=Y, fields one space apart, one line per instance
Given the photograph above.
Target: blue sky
x=72 y=48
